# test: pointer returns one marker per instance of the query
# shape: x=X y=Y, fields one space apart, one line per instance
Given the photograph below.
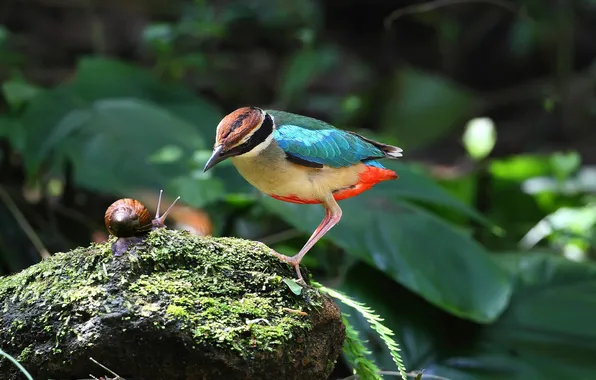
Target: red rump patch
x=367 y=179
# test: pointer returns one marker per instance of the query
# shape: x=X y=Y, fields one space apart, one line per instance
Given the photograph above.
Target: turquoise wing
x=324 y=146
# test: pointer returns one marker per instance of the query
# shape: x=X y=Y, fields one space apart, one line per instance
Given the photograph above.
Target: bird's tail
x=389 y=150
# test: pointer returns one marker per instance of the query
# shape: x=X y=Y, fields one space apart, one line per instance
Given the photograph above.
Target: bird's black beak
x=217 y=156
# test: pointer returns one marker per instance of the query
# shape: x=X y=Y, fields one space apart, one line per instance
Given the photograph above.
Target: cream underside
x=270 y=172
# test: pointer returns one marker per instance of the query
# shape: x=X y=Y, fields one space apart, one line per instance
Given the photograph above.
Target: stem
x=564 y=60
x=432 y=5
x=17 y=364
x=24 y=224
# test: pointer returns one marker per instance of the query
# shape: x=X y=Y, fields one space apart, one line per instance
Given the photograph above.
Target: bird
x=300 y=159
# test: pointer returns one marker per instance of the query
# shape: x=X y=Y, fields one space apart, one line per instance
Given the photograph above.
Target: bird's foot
x=293 y=262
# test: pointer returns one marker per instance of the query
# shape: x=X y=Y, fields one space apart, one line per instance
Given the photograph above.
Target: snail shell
x=128 y=220
x=127 y=217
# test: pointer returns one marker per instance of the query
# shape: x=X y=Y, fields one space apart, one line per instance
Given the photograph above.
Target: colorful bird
x=299 y=159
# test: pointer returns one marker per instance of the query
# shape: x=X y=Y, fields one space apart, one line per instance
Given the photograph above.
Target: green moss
x=224 y=292
x=25 y=354
x=177 y=311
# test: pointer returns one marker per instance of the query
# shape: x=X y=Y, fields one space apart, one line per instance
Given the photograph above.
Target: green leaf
x=111 y=121
x=103 y=78
x=301 y=69
x=415 y=248
x=520 y=168
x=281 y=14
x=168 y=153
x=197 y=192
x=423 y=107
x=416 y=185
x=128 y=121
x=480 y=137
x=564 y=164
x=293 y=285
x=18 y=92
x=547 y=331
x=572 y=229
x=159 y=36
x=4 y=34
x=12 y=129
x=521 y=36
x=110 y=141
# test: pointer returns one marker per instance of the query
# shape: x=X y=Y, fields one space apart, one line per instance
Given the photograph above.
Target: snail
x=129 y=220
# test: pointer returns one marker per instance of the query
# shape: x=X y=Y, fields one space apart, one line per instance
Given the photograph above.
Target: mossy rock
x=177 y=306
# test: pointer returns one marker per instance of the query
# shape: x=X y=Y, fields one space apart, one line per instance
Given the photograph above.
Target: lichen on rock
x=176 y=307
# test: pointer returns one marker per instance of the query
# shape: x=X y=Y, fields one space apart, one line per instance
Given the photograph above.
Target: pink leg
x=332 y=216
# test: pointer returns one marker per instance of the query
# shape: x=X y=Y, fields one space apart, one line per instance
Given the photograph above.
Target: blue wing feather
x=331 y=147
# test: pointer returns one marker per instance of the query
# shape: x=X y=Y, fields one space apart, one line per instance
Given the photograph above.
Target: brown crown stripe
x=237 y=125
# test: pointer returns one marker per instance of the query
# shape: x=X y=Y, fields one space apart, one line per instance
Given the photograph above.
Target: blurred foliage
x=483 y=266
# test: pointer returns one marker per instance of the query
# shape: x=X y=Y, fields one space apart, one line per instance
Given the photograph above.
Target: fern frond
x=17 y=364
x=356 y=353
x=375 y=323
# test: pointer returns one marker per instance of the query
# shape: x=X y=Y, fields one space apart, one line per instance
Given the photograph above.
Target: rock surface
x=176 y=307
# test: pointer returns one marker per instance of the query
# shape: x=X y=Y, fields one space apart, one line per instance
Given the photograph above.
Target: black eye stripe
x=257 y=137
x=262 y=133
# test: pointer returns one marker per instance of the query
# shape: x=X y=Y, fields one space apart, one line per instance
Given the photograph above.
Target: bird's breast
x=272 y=174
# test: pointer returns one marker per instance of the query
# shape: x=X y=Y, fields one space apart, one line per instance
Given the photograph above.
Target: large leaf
x=197 y=192
x=301 y=69
x=100 y=79
x=112 y=121
x=423 y=107
x=415 y=185
x=18 y=92
x=415 y=248
x=118 y=135
x=12 y=129
x=547 y=331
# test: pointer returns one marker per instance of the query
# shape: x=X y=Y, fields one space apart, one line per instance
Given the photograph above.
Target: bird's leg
x=332 y=217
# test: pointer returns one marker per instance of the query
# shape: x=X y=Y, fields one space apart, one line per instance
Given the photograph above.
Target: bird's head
x=248 y=130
